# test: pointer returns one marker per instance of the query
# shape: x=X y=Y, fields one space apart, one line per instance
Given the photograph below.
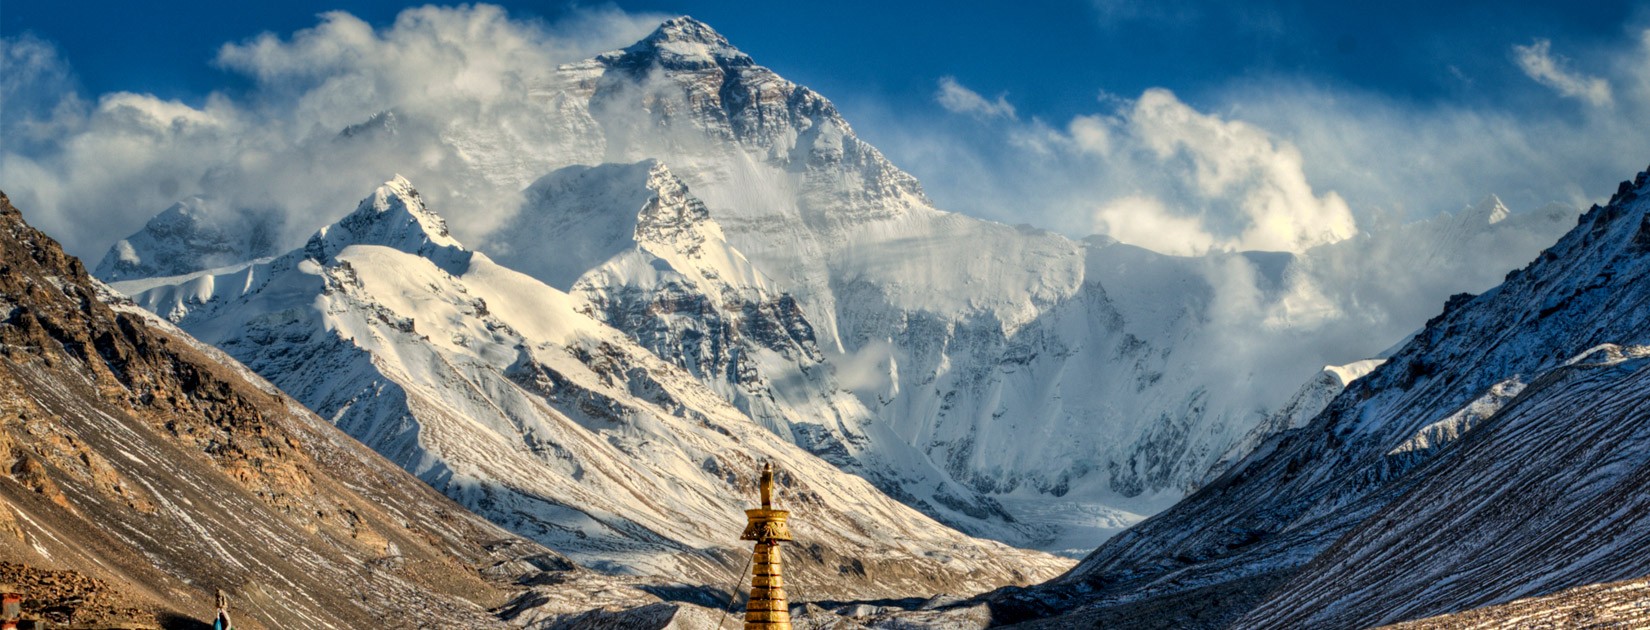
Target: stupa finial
x=767 y=609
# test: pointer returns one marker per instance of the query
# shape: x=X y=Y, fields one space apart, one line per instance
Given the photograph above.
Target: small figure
x=222 y=621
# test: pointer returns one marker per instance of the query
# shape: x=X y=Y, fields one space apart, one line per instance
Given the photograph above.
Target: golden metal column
x=767 y=609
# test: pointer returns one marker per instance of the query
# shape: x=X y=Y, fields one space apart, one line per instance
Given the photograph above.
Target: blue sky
x=1104 y=116
x=1051 y=59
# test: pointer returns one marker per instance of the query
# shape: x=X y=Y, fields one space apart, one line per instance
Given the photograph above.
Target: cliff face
x=141 y=470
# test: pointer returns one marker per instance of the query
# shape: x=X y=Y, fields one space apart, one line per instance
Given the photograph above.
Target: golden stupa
x=767 y=609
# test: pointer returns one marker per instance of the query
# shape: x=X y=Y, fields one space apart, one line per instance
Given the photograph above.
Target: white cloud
x=1309 y=149
x=1311 y=161
x=1538 y=62
x=108 y=168
x=1180 y=181
x=37 y=97
x=956 y=98
x=1242 y=166
x=1145 y=221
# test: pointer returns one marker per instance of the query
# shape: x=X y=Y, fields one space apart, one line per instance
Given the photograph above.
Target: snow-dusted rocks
x=496 y=389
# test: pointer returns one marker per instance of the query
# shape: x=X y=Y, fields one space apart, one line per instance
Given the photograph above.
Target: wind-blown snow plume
x=1538 y=62
x=954 y=97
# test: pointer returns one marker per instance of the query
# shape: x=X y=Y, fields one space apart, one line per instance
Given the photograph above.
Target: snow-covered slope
x=1309 y=401
x=1497 y=455
x=1549 y=493
x=496 y=389
x=1009 y=381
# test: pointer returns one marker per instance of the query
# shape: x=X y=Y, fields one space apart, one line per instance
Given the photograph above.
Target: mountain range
x=751 y=240
x=496 y=389
x=708 y=270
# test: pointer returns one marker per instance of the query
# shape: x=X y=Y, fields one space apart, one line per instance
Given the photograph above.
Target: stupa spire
x=767 y=609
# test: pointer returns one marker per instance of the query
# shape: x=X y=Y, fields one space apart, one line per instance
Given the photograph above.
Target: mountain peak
x=683 y=43
x=393 y=216
x=673 y=217
x=580 y=217
x=686 y=29
x=1488 y=210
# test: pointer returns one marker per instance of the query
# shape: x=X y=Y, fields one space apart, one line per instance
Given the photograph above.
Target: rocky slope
x=1495 y=456
x=498 y=390
x=1612 y=605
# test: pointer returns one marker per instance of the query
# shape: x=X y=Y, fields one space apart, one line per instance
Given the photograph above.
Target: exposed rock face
x=68 y=597
x=152 y=468
x=1498 y=455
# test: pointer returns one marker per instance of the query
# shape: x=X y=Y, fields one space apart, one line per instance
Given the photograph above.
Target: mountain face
x=510 y=396
x=141 y=470
x=952 y=332
x=192 y=235
x=1010 y=382
x=643 y=255
x=1496 y=456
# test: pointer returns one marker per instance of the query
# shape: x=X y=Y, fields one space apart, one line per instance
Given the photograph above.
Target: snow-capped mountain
x=193 y=235
x=1008 y=381
x=496 y=389
x=1087 y=366
x=1497 y=455
x=644 y=255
